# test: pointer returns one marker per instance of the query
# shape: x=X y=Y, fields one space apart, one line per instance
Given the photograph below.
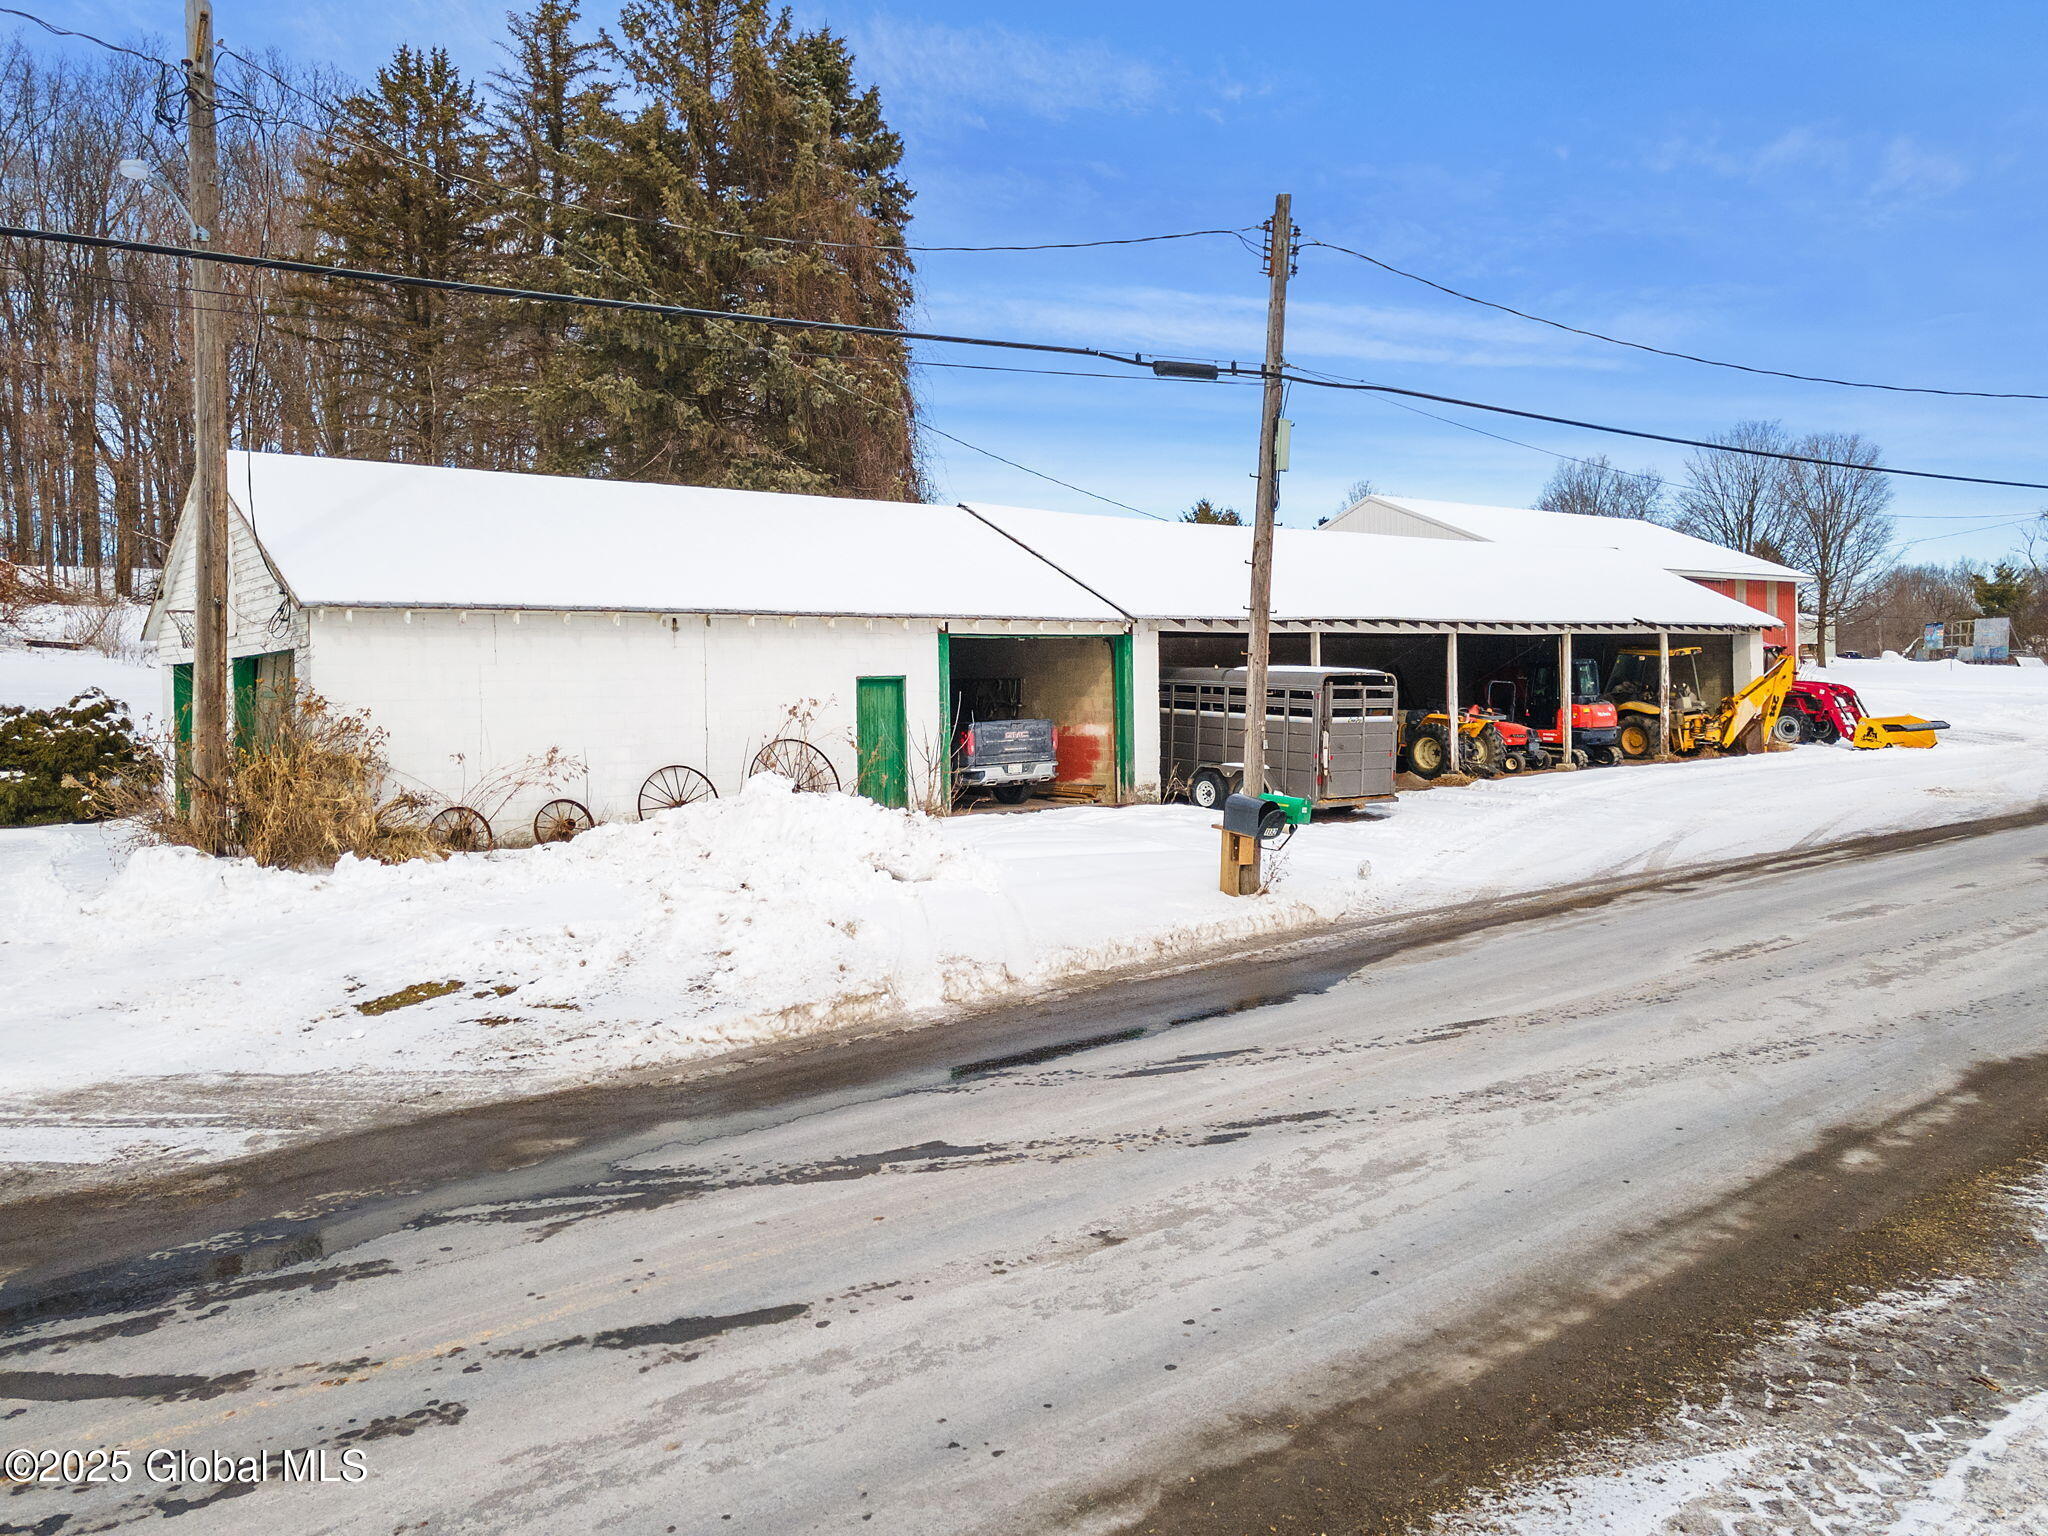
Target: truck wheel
x=1208 y=789
x=1426 y=754
x=1638 y=736
x=1013 y=794
x=1790 y=729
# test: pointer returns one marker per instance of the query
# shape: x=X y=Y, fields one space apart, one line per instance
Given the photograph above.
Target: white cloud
x=960 y=73
x=1867 y=168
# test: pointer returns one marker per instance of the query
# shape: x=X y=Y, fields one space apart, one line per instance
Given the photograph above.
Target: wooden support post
x=1240 y=862
x=1452 y=752
x=1564 y=697
x=1315 y=647
x=1663 y=694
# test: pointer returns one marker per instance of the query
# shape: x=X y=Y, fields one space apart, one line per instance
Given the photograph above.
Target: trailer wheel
x=1012 y=794
x=1208 y=789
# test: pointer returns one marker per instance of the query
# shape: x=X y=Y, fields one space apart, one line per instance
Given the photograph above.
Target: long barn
x=486 y=620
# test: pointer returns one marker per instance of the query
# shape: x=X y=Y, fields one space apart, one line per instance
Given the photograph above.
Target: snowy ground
x=171 y=1006
x=1922 y=1413
x=111 y=658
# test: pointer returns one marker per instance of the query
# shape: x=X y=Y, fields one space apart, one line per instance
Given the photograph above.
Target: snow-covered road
x=1041 y=1296
x=173 y=1008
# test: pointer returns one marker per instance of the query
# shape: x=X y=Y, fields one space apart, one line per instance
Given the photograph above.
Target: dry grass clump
x=312 y=786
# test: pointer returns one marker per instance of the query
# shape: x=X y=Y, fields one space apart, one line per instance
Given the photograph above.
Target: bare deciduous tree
x=1595 y=488
x=1739 y=500
x=1841 y=533
x=1893 y=609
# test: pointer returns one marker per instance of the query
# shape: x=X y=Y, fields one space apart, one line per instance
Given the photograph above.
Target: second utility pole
x=208 y=504
x=1280 y=234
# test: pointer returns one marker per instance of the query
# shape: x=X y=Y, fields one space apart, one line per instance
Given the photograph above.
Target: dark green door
x=882 y=736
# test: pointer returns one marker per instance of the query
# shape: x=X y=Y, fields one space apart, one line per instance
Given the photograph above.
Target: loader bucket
x=1896 y=731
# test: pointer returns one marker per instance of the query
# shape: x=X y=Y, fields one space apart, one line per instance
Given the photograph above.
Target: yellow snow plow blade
x=1896 y=731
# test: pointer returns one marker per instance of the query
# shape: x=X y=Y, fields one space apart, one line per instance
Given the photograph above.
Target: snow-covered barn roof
x=352 y=533
x=348 y=532
x=1200 y=570
x=1534 y=528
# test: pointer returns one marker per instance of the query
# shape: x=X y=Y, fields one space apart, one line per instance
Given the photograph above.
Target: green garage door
x=882 y=740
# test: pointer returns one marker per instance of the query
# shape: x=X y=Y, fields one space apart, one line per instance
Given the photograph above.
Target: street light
x=143 y=174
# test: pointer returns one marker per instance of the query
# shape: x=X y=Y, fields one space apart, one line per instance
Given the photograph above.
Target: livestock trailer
x=1330 y=733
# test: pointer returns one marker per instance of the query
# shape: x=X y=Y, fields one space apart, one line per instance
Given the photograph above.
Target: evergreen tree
x=399 y=183
x=757 y=179
x=547 y=106
x=1206 y=511
x=2002 y=593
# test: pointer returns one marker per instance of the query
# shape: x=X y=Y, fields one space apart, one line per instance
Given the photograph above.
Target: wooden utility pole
x=1238 y=861
x=1663 y=694
x=208 y=504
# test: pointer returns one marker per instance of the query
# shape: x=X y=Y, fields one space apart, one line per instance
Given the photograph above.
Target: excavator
x=1744 y=722
x=1775 y=706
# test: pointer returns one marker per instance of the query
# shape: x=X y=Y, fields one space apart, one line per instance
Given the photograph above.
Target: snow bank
x=41 y=678
x=772 y=914
x=716 y=924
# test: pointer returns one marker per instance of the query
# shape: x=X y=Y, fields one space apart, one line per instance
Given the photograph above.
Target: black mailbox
x=1241 y=814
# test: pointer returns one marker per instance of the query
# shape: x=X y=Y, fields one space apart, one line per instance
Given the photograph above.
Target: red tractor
x=1831 y=712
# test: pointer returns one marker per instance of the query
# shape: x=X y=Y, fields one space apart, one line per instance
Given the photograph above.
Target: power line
x=1466 y=426
x=179 y=298
x=1711 y=362
x=547 y=296
x=1071 y=373
x=1660 y=437
x=51 y=27
x=1136 y=360
x=1957 y=533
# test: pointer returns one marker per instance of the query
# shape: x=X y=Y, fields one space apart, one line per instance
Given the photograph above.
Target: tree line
x=707 y=153
x=1830 y=520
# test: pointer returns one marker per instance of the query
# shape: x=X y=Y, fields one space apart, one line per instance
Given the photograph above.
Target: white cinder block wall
x=469 y=699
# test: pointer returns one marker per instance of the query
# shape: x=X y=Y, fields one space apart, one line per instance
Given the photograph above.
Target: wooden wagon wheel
x=462 y=830
x=800 y=763
x=560 y=820
x=667 y=788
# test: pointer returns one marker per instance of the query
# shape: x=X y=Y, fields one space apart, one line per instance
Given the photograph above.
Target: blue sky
x=1849 y=190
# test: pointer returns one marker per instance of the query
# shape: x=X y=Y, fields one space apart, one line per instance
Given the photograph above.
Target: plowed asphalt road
x=1255 y=1265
